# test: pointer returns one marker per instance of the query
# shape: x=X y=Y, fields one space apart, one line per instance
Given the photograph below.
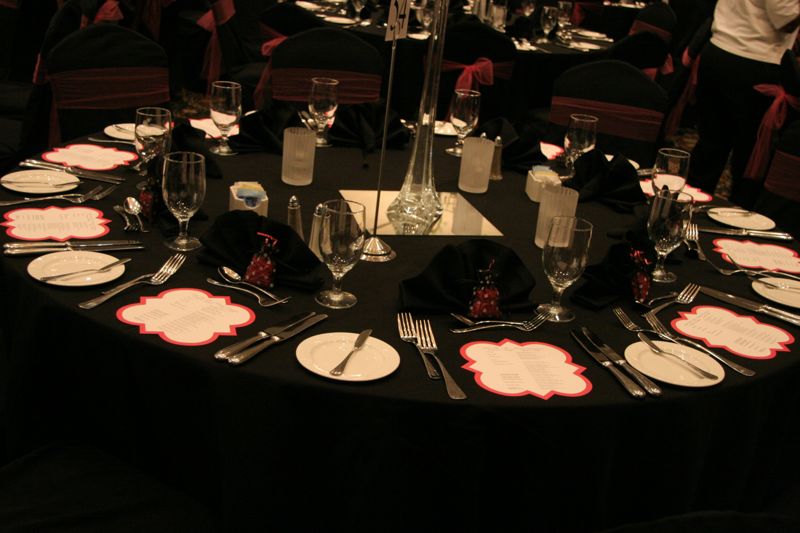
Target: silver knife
x=776 y=235
x=105 y=192
x=85 y=174
x=751 y=305
x=223 y=354
x=67 y=244
x=51 y=249
x=651 y=388
x=246 y=354
x=633 y=389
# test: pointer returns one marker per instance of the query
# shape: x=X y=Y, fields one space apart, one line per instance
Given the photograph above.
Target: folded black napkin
x=447 y=282
x=262 y=131
x=361 y=126
x=233 y=239
x=614 y=183
x=608 y=281
x=520 y=145
x=185 y=138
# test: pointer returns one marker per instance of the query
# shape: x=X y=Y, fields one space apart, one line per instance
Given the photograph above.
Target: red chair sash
x=639 y=26
x=221 y=12
x=686 y=97
x=619 y=120
x=272 y=38
x=482 y=72
x=109 y=12
x=783 y=178
x=773 y=120
x=294 y=84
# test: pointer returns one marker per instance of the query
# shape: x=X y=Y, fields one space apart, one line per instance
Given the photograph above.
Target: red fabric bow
x=268 y=46
x=109 y=12
x=479 y=73
x=686 y=97
x=773 y=120
x=220 y=13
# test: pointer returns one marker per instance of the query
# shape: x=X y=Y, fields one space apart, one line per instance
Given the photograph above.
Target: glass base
x=336 y=299
x=222 y=149
x=183 y=244
x=558 y=313
x=662 y=276
x=455 y=151
x=322 y=142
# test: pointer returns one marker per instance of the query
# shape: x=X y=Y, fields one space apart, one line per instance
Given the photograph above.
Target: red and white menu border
x=55 y=223
x=749 y=254
x=89 y=156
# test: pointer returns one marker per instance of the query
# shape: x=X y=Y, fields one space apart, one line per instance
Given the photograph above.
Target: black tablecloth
x=271 y=446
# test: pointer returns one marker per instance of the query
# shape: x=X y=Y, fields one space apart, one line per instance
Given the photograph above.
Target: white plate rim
x=697 y=357
x=78 y=281
x=444 y=129
x=114 y=133
x=769 y=293
x=303 y=354
x=732 y=220
x=65 y=178
x=585 y=46
x=589 y=34
x=333 y=19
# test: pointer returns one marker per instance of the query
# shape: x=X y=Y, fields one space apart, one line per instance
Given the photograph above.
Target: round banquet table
x=270 y=446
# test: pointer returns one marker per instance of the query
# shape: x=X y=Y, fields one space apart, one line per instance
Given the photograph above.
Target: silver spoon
x=362 y=338
x=133 y=207
x=231 y=276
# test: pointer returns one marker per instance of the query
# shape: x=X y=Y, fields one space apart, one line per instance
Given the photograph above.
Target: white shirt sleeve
x=782 y=12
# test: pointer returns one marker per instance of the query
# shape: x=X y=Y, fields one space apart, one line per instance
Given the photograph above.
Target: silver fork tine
x=428 y=345
x=408 y=333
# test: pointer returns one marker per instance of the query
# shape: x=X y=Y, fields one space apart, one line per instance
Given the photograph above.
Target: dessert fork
x=75 y=198
x=427 y=344
x=472 y=325
x=686 y=296
x=408 y=333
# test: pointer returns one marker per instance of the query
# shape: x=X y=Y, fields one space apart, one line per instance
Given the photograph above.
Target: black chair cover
x=780 y=198
x=289 y=18
x=643 y=50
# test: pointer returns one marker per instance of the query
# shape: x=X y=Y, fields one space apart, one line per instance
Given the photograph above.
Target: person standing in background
x=748 y=39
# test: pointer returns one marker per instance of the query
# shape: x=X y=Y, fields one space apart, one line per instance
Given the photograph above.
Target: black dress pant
x=730 y=113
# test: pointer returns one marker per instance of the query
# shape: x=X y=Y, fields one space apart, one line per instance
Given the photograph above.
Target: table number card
x=698 y=195
x=55 y=223
x=739 y=334
x=749 y=254
x=397 y=23
x=538 y=369
x=188 y=317
x=89 y=156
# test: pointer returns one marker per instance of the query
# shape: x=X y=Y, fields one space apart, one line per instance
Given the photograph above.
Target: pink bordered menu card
x=55 y=223
x=187 y=317
x=537 y=369
x=749 y=254
x=89 y=156
x=741 y=335
x=698 y=195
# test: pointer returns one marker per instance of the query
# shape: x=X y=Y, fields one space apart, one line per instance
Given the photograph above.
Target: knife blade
x=651 y=388
x=633 y=389
x=246 y=354
x=224 y=353
x=51 y=249
x=105 y=192
x=74 y=244
x=776 y=235
x=81 y=173
x=751 y=305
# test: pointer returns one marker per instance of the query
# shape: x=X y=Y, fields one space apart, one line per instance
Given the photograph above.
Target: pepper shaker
x=313 y=238
x=294 y=218
x=497 y=160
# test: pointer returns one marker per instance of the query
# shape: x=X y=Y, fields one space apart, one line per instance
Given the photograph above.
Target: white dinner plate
x=445 y=129
x=418 y=36
x=584 y=46
x=63 y=262
x=308 y=5
x=39 y=181
x=741 y=218
x=589 y=34
x=670 y=370
x=782 y=296
x=321 y=353
x=340 y=20
x=122 y=131
x=551 y=151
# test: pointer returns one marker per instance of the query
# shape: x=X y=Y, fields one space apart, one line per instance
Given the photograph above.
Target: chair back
x=288 y=19
x=629 y=105
x=657 y=18
x=780 y=199
x=643 y=50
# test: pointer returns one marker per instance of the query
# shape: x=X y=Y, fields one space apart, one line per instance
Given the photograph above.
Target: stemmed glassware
x=358 y=6
x=671 y=169
x=670 y=213
x=322 y=104
x=423 y=12
x=341 y=240
x=226 y=110
x=548 y=20
x=151 y=135
x=564 y=16
x=564 y=257
x=581 y=137
x=464 y=115
x=184 y=189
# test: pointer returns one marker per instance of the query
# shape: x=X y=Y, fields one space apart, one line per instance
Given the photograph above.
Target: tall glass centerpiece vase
x=417 y=206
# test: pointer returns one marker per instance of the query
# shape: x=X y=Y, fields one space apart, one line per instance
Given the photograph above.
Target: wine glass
x=423 y=12
x=184 y=188
x=581 y=137
x=564 y=257
x=341 y=239
x=151 y=136
x=464 y=117
x=670 y=169
x=226 y=109
x=548 y=20
x=564 y=16
x=666 y=225
x=358 y=5
x=322 y=104
x=499 y=13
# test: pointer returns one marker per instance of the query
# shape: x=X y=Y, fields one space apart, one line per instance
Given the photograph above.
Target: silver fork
x=427 y=345
x=525 y=325
x=686 y=296
x=630 y=325
x=408 y=333
x=660 y=329
x=754 y=274
x=75 y=198
x=166 y=271
x=693 y=236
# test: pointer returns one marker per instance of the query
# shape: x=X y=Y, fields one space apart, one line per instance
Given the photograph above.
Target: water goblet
x=226 y=110
x=464 y=115
x=580 y=138
x=670 y=213
x=151 y=136
x=564 y=257
x=322 y=104
x=564 y=16
x=184 y=189
x=341 y=239
x=548 y=20
x=670 y=170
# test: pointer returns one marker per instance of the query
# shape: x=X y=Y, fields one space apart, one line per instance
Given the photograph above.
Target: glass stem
x=337 y=283
x=183 y=229
x=557 y=292
x=660 y=259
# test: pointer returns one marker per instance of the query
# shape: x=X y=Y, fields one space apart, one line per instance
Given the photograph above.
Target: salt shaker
x=313 y=238
x=294 y=218
x=497 y=160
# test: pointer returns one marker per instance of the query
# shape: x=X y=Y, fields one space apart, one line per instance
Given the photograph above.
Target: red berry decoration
x=261 y=270
x=485 y=296
x=641 y=282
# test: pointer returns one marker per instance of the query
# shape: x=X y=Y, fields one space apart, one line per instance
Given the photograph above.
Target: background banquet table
x=269 y=445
